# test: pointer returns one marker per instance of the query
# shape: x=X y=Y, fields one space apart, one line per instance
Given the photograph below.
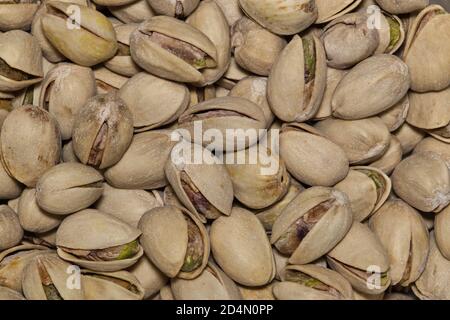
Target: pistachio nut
x=93 y=42
x=330 y=10
x=127 y=205
x=32 y=218
x=65 y=90
x=429 y=40
x=201 y=94
x=107 y=244
x=431 y=144
x=395 y=116
x=312 y=224
x=409 y=137
x=311 y=282
x=102 y=131
x=281 y=17
x=172 y=49
x=170 y=198
x=10 y=294
x=441 y=227
x=177 y=9
x=231 y=10
x=108 y=81
x=154 y=102
x=399 y=296
x=363 y=141
x=30 y=144
x=241 y=248
x=402 y=6
x=142 y=165
x=134 y=12
x=175 y=241
x=112 y=3
x=20 y=61
x=10 y=188
x=423 y=181
x=68 y=188
x=404 y=235
x=118 y=285
x=17 y=14
x=391 y=158
x=334 y=76
x=11 y=231
x=67 y=153
x=211 y=284
x=371 y=87
x=149 y=276
x=233 y=75
x=258 y=293
x=392 y=33
x=297 y=80
x=206 y=188
x=255 y=48
x=362 y=260
x=310 y=157
x=13 y=204
x=367 y=189
x=46 y=239
x=45 y=278
x=442 y=134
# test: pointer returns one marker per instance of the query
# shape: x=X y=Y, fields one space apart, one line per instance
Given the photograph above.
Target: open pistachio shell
x=402 y=6
x=431 y=144
x=175 y=241
x=10 y=294
x=68 y=187
x=363 y=141
x=178 y=8
x=312 y=224
x=108 y=244
x=311 y=282
x=426 y=50
x=393 y=156
x=395 y=116
x=91 y=43
x=11 y=231
x=134 y=12
x=241 y=248
x=149 y=276
x=423 y=181
x=231 y=10
x=134 y=170
x=119 y=285
x=108 y=81
x=154 y=102
x=362 y=260
x=281 y=17
x=46 y=278
x=310 y=157
x=297 y=80
x=334 y=76
x=391 y=33
x=409 y=137
x=17 y=14
x=30 y=144
x=330 y=10
x=20 y=61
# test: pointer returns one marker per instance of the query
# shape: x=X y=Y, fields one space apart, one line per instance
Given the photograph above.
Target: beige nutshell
x=17 y=15
x=395 y=116
x=108 y=81
x=431 y=144
x=149 y=276
x=11 y=231
x=402 y=6
x=10 y=294
x=134 y=12
x=30 y=144
x=334 y=76
x=258 y=293
x=330 y=10
x=409 y=137
x=231 y=10
x=392 y=157
x=178 y=9
x=10 y=188
x=441 y=227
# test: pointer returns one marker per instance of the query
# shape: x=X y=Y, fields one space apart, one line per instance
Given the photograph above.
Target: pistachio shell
x=178 y=9
x=11 y=232
x=17 y=15
x=402 y=6
x=231 y=10
x=108 y=81
x=334 y=76
x=233 y=75
x=399 y=296
x=149 y=276
x=431 y=144
x=391 y=158
x=391 y=33
x=409 y=137
x=241 y=248
x=258 y=293
x=395 y=116
x=10 y=294
x=330 y=10
x=10 y=188
x=68 y=155
x=441 y=227
x=112 y=3
x=134 y=12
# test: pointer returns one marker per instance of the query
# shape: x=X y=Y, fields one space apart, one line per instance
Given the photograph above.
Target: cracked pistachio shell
x=211 y=284
x=223 y=114
x=10 y=294
x=122 y=63
x=409 y=137
x=10 y=188
x=423 y=181
x=102 y=131
x=108 y=81
x=206 y=188
x=154 y=102
x=100 y=231
x=310 y=157
x=94 y=42
x=312 y=224
x=349 y=40
x=46 y=278
x=261 y=184
x=426 y=50
x=32 y=218
x=119 y=285
x=17 y=15
x=441 y=230
x=30 y=144
x=255 y=90
x=367 y=188
x=404 y=235
x=11 y=231
x=241 y=248
x=431 y=144
x=391 y=33
x=64 y=91
x=312 y=282
x=68 y=187
x=149 y=276
x=13 y=262
x=297 y=80
x=142 y=165
x=148 y=49
x=359 y=253
x=330 y=10
x=255 y=48
x=395 y=116
x=371 y=87
x=20 y=61
x=281 y=17
x=175 y=241
x=434 y=282
x=429 y=110
x=177 y=8
x=334 y=76
x=134 y=12
x=393 y=156
x=402 y=6
x=127 y=205
x=363 y=141
x=231 y=10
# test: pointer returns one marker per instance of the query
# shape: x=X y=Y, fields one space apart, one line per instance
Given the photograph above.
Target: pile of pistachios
x=101 y=106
